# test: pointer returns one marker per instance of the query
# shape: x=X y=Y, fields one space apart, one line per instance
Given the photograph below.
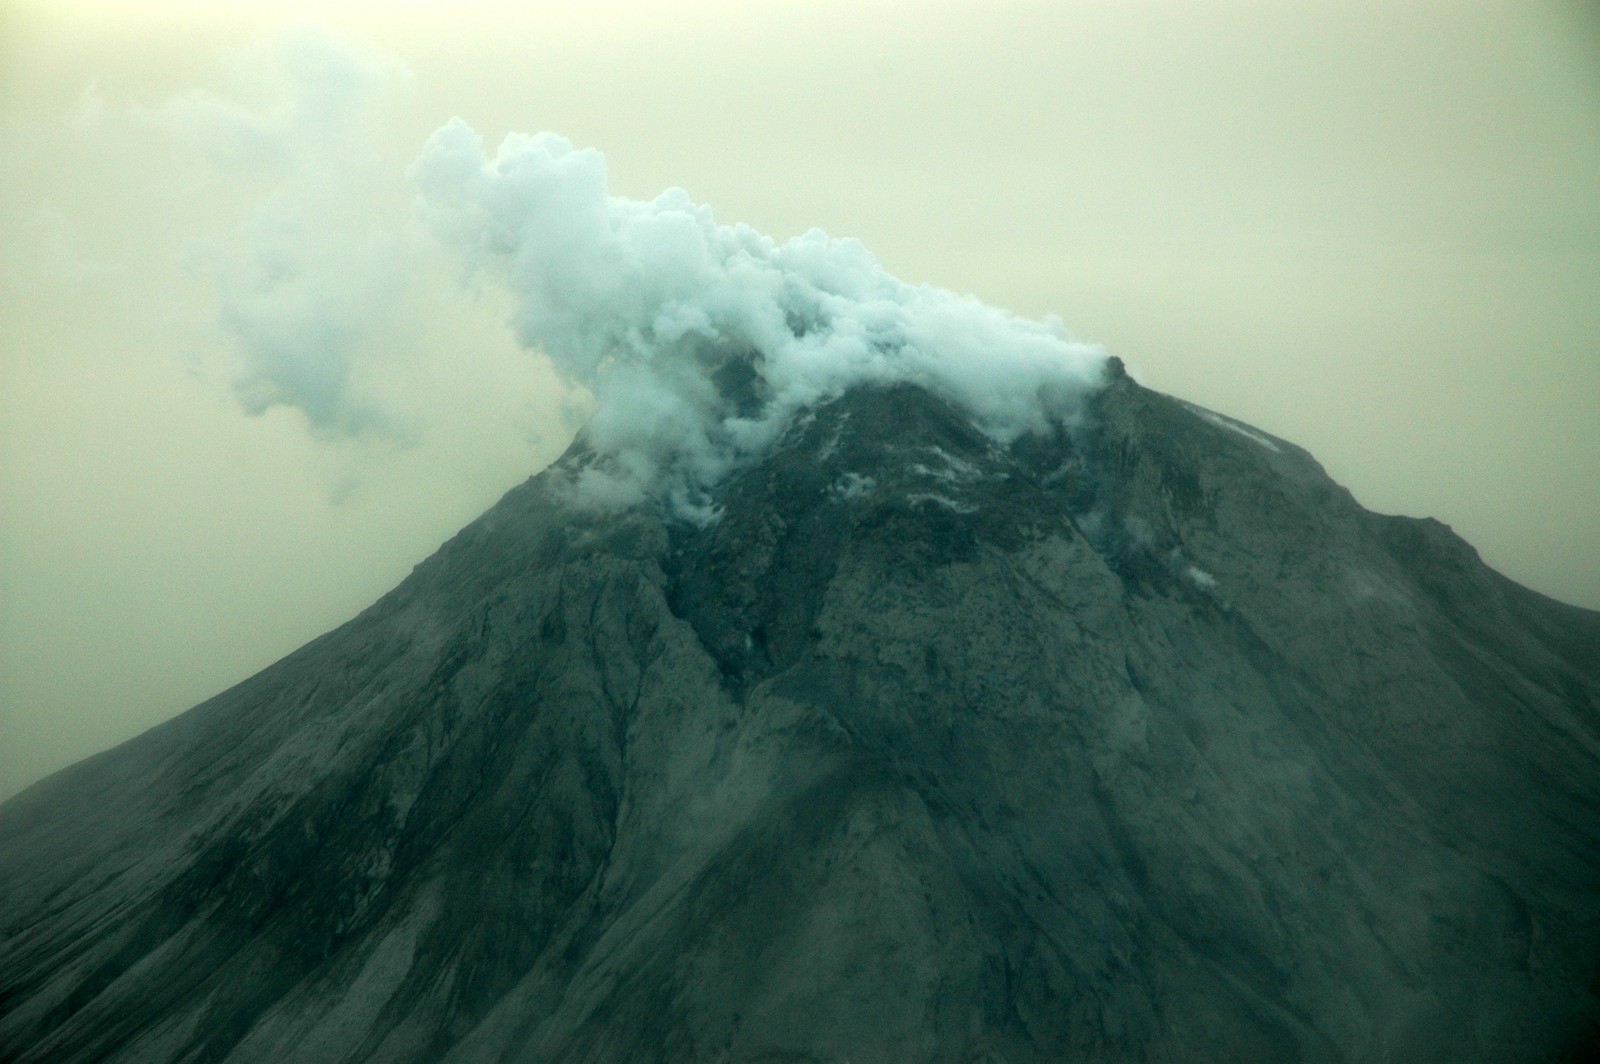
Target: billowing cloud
x=700 y=341
x=312 y=281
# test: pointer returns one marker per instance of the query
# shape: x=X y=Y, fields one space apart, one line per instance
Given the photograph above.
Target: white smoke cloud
x=700 y=341
x=310 y=284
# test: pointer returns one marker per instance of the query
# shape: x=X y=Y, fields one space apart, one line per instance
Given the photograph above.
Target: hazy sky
x=1369 y=227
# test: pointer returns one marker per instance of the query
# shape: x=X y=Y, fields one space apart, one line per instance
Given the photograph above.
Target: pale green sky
x=1369 y=227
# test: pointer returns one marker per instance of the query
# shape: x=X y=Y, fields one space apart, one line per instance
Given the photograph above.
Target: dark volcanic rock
x=1142 y=742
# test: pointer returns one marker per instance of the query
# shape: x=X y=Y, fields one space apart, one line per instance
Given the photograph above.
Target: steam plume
x=311 y=284
x=700 y=341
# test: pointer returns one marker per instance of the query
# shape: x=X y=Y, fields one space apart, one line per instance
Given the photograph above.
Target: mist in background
x=243 y=388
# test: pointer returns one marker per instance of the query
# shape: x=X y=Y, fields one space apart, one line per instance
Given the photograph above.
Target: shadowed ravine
x=1139 y=742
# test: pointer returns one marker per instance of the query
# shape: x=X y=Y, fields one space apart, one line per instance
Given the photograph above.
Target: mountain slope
x=1138 y=742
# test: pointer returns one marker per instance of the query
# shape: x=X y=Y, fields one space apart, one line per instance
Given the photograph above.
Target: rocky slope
x=1141 y=742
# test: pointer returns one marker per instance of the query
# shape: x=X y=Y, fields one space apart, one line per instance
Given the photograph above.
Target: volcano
x=1136 y=739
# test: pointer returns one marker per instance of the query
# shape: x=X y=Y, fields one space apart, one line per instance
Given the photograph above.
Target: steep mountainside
x=1139 y=742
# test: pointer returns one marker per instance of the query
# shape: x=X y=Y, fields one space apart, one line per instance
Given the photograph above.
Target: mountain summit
x=1133 y=739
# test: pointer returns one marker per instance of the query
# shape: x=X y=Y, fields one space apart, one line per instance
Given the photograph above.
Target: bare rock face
x=1141 y=742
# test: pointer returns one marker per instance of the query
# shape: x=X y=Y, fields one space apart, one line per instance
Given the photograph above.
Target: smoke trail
x=701 y=341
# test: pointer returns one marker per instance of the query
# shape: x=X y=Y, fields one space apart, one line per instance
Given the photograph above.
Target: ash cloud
x=700 y=342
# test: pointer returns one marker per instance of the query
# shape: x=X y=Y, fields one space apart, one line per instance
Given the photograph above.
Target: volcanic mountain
x=1134 y=740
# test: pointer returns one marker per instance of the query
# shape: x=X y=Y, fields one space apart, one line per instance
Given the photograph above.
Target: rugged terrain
x=1142 y=741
